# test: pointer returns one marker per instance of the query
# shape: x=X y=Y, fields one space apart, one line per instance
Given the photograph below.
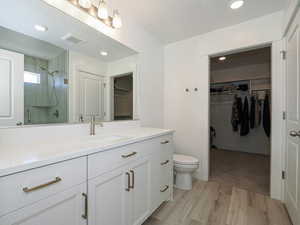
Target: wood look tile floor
x=241 y=170
x=213 y=203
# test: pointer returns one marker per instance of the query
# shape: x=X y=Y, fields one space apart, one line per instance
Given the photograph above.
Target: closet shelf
x=242 y=80
x=122 y=89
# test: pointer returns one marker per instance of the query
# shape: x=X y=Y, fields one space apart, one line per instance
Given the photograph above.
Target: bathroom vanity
x=112 y=179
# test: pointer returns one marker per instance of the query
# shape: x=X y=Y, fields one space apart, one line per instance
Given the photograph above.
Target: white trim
x=278 y=124
x=290 y=14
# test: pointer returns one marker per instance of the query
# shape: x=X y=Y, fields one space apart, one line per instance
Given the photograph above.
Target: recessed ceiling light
x=41 y=28
x=103 y=53
x=222 y=58
x=235 y=4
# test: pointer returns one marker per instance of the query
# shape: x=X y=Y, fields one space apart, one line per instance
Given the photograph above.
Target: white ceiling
x=22 y=15
x=173 y=20
x=17 y=42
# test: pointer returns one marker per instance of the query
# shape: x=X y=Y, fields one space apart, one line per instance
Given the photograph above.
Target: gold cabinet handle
x=128 y=181
x=85 y=215
x=164 y=142
x=129 y=155
x=165 y=162
x=132 y=185
x=56 y=180
x=166 y=188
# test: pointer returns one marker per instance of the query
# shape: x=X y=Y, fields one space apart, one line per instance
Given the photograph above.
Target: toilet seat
x=185 y=159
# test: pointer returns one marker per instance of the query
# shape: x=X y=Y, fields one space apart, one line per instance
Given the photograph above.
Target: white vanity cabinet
x=130 y=187
x=120 y=186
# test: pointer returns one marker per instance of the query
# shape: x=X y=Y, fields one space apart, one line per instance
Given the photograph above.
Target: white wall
x=150 y=60
x=186 y=66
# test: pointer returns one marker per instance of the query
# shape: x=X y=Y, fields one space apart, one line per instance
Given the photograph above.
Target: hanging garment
x=235 y=115
x=267 y=116
x=257 y=112
x=240 y=109
x=245 y=119
x=252 y=112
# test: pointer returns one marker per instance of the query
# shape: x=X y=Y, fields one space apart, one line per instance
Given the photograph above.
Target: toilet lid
x=185 y=159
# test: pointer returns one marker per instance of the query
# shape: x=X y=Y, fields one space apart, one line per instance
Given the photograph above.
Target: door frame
x=112 y=94
x=277 y=123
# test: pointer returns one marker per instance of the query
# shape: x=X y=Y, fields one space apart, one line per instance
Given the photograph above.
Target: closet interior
x=123 y=97
x=240 y=119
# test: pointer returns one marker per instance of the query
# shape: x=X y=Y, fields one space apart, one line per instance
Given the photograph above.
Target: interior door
x=60 y=209
x=91 y=99
x=11 y=88
x=292 y=188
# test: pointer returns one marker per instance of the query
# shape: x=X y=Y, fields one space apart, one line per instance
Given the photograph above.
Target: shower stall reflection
x=45 y=89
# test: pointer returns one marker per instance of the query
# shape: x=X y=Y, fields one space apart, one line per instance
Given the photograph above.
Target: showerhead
x=48 y=72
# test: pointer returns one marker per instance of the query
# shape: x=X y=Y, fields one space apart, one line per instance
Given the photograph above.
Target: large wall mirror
x=55 y=69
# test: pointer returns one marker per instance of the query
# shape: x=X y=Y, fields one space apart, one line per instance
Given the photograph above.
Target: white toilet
x=184 y=166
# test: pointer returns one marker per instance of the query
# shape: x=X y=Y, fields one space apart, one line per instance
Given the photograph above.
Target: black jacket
x=245 y=119
x=267 y=116
x=252 y=113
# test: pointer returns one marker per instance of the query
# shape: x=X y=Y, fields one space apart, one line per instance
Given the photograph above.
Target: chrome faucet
x=93 y=125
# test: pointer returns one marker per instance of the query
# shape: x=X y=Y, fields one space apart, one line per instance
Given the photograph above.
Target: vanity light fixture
x=117 y=22
x=103 y=53
x=100 y=12
x=41 y=28
x=222 y=58
x=236 y=4
x=85 y=3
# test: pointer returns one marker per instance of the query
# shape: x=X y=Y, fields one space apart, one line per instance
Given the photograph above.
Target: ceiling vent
x=72 y=39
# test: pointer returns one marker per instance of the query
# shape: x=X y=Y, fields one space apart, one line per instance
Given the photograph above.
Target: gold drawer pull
x=166 y=188
x=129 y=155
x=27 y=189
x=165 y=162
x=164 y=142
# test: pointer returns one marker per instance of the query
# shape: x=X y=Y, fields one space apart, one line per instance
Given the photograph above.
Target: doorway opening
x=123 y=97
x=240 y=119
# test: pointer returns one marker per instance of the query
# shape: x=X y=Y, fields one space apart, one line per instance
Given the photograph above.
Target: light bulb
x=117 y=22
x=41 y=28
x=85 y=3
x=102 y=10
x=104 y=53
x=235 y=4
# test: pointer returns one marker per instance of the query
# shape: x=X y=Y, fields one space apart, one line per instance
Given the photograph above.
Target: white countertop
x=16 y=158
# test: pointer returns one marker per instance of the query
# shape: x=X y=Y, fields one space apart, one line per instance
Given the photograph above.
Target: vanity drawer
x=102 y=162
x=166 y=148
x=24 y=188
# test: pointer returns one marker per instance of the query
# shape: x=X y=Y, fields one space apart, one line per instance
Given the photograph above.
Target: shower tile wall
x=35 y=95
x=58 y=113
